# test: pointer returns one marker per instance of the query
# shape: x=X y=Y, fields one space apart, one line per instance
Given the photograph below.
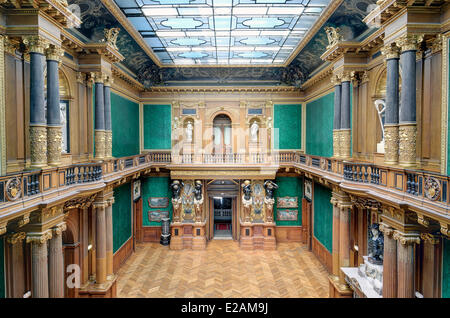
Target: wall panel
x=323 y=216
x=319 y=126
x=291 y=187
x=157 y=127
x=154 y=187
x=446 y=269
x=122 y=214
x=288 y=126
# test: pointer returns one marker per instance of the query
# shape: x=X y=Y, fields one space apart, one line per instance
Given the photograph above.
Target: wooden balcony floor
x=222 y=270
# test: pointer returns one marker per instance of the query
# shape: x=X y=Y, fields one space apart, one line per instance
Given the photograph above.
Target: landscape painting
x=287 y=215
x=156 y=202
x=287 y=202
x=156 y=216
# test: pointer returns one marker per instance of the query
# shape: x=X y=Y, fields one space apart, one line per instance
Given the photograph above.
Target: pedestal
x=165 y=231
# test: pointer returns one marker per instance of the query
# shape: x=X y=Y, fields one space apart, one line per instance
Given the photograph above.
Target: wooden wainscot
x=188 y=236
x=258 y=236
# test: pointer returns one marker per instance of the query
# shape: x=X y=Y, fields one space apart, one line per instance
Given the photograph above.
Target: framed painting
x=136 y=189
x=158 y=202
x=287 y=215
x=287 y=202
x=156 y=216
x=308 y=189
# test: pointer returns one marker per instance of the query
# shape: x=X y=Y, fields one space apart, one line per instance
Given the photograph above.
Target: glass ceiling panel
x=222 y=32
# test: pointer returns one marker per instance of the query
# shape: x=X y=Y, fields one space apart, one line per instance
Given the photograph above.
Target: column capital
x=347 y=76
x=36 y=44
x=345 y=205
x=98 y=77
x=39 y=238
x=431 y=238
x=336 y=80
x=111 y=201
x=386 y=229
x=108 y=80
x=436 y=44
x=16 y=238
x=10 y=45
x=81 y=77
x=390 y=51
x=3 y=227
x=54 y=53
x=58 y=229
x=406 y=238
x=409 y=42
x=100 y=205
x=334 y=201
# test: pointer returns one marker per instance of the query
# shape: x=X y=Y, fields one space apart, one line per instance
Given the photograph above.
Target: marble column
x=16 y=259
x=39 y=263
x=85 y=246
x=337 y=116
x=344 y=237
x=108 y=124
x=56 y=263
x=109 y=240
x=346 y=133
x=54 y=132
x=389 y=262
x=405 y=263
x=335 y=248
x=431 y=267
x=392 y=104
x=99 y=125
x=407 y=113
x=38 y=125
x=100 y=276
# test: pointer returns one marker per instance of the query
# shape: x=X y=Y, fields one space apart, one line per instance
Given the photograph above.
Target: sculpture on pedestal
x=269 y=199
x=254 y=132
x=247 y=199
x=189 y=131
x=198 y=200
x=176 y=188
x=376 y=245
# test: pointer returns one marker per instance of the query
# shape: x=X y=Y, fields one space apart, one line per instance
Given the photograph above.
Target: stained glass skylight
x=222 y=32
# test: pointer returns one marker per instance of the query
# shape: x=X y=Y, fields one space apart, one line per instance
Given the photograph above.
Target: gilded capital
x=16 y=238
x=108 y=80
x=39 y=238
x=386 y=229
x=3 y=227
x=10 y=46
x=410 y=42
x=436 y=44
x=54 y=53
x=390 y=52
x=98 y=77
x=35 y=44
x=346 y=76
x=58 y=229
x=336 y=80
x=406 y=238
x=81 y=77
x=431 y=238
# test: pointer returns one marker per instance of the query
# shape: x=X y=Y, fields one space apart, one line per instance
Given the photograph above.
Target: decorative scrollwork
x=111 y=36
x=432 y=188
x=13 y=189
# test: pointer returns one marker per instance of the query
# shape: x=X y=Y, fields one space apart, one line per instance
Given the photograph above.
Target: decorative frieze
x=81 y=202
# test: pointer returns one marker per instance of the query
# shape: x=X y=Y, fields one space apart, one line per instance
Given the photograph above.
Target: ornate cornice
x=81 y=202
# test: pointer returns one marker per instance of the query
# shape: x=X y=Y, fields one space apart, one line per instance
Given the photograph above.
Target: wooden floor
x=222 y=270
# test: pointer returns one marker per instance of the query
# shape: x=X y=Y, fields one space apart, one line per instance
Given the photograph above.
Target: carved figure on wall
x=269 y=200
x=198 y=200
x=334 y=36
x=247 y=199
x=176 y=187
x=189 y=132
x=376 y=245
x=254 y=132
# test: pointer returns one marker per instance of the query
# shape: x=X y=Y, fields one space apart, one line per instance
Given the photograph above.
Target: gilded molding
x=444 y=107
x=108 y=144
x=3 y=40
x=409 y=42
x=39 y=238
x=36 y=44
x=16 y=238
x=407 y=145
x=100 y=144
x=391 y=144
x=345 y=143
x=38 y=143
x=336 y=143
x=406 y=238
x=3 y=227
x=54 y=147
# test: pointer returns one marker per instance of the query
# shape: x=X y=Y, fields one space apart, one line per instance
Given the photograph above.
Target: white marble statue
x=254 y=132
x=380 y=106
x=189 y=131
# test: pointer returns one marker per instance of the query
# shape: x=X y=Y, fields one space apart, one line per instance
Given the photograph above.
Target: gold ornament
x=391 y=144
x=407 y=145
x=54 y=139
x=38 y=141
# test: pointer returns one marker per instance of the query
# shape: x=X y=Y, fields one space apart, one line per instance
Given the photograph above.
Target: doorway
x=223 y=216
x=222 y=135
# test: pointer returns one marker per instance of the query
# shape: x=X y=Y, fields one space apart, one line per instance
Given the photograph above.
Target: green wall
x=122 y=214
x=157 y=127
x=2 y=268
x=319 y=126
x=289 y=187
x=448 y=114
x=323 y=216
x=125 y=126
x=288 y=126
x=155 y=187
x=446 y=270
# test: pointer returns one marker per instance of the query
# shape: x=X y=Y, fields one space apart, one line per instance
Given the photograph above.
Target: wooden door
x=307 y=223
x=234 y=219
x=137 y=222
x=210 y=221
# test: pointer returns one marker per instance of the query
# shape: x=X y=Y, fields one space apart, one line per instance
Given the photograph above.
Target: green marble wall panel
x=2 y=268
x=288 y=126
x=319 y=126
x=157 y=127
x=323 y=216
x=289 y=187
x=155 y=187
x=122 y=215
x=446 y=269
x=125 y=126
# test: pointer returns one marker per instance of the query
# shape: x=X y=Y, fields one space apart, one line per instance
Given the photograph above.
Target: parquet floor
x=222 y=270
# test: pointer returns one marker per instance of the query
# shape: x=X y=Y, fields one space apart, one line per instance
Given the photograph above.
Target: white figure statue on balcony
x=380 y=106
x=189 y=130
x=254 y=132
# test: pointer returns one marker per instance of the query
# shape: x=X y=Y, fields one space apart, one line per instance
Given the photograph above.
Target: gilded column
x=100 y=276
x=108 y=124
x=389 y=262
x=337 y=116
x=109 y=240
x=99 y=116
x=335 y=249
x=54 y=132
x=17 y=278
x=344 y=237
x=405 y=263
x=346 y=132
x=39 y=263
x=392 y=104
x=407 y=115
x=38 y=124
x=56 y=262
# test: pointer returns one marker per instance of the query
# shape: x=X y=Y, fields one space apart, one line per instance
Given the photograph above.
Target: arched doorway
x=222 y=134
